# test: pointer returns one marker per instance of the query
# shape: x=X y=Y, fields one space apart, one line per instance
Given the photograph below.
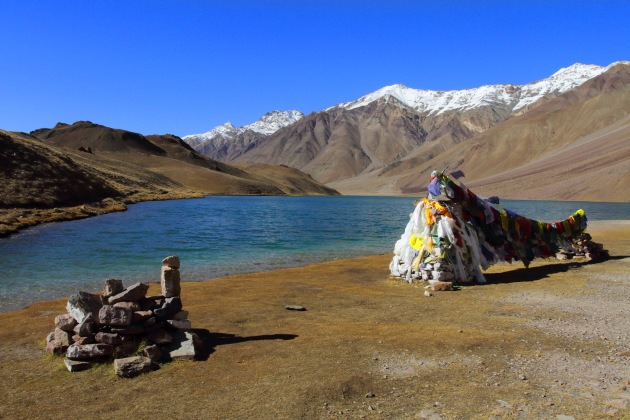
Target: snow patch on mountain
x=266 y=125
x=514 y=97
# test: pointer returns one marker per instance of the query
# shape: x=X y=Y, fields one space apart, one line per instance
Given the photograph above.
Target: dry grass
x=363 y=332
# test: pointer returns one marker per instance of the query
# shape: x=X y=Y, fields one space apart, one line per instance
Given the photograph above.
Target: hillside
x=83 y=169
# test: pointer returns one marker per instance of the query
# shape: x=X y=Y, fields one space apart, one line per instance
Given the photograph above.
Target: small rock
x=132 y=366
x=370 y=395
x=133 y=306
x=77 y=365
x=295 y=308
x=442 y=286
x=427 y=293
x=140 y=316
x=522 y=377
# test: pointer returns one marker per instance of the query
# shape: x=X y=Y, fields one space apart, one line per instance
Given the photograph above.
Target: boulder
x=89 y=351
x=170 y=282
x=113 y=287
x=65 y=322
x=171 y=261
x=133 y=293
x=77 y=365
x=81 y=304
x=114 y=316
x=132 y=366
x=170 y=307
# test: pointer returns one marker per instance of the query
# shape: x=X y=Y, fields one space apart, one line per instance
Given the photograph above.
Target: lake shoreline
x=532 y=341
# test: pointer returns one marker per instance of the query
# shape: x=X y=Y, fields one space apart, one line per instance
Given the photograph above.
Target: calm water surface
x=218 y=236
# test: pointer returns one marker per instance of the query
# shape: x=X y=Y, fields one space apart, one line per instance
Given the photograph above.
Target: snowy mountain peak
x=513 y=97
x=273 y=121
x=266 y=125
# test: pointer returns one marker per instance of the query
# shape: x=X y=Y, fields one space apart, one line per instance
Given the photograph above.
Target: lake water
x=218 y=236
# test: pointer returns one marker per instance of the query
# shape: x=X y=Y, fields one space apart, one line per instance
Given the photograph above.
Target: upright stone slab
x=81 y=304
x=133 y=293
x=170 y=282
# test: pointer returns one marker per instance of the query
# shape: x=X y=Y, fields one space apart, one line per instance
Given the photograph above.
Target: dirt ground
x=545 y=342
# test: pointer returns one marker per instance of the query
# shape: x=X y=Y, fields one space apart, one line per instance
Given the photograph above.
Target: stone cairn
x=124 y=324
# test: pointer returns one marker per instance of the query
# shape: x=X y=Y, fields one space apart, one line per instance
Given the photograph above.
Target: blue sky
x=183 y=67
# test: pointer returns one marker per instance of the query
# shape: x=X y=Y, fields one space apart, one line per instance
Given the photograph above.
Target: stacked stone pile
x=124 y=324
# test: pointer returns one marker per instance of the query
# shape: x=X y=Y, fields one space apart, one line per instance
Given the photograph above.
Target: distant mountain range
x=387 y=141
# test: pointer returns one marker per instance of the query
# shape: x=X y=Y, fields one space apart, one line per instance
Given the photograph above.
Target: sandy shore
x=539 y=342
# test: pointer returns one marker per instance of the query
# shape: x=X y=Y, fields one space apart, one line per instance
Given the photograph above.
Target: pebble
x=295 y=308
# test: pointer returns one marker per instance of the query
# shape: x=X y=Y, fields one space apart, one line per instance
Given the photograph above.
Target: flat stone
x=171 y=306
x=89 y=351
x=140 y=316
x=153 y=352
x=182 y=347
x=170 y=282
x=115 y=316
x=113 y=287
x=295 y=308
x=180 y=325
x=171 y=261
x=77 y=365
x=81 y=304
x=65 y=322
x=133 y=293
x=129 y=367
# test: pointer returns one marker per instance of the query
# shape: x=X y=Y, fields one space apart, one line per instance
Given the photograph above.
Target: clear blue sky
x=183 y=67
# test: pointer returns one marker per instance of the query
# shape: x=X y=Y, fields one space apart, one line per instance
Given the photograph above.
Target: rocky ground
x=551 y=341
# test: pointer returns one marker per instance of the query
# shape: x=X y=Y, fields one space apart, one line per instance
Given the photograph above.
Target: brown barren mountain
x=573 y=147
x=78 y=170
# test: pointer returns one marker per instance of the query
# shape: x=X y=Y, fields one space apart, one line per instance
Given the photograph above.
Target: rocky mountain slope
x=379 y=143
x=78 y=170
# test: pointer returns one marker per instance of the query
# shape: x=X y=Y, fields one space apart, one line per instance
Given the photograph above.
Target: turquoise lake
x=218 y=236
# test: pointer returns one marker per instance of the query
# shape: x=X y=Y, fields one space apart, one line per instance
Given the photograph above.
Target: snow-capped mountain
x=513 y=97
x=266 y=125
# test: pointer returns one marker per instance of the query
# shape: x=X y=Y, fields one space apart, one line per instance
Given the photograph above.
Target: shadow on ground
x=540 y=272
x=210 y=340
